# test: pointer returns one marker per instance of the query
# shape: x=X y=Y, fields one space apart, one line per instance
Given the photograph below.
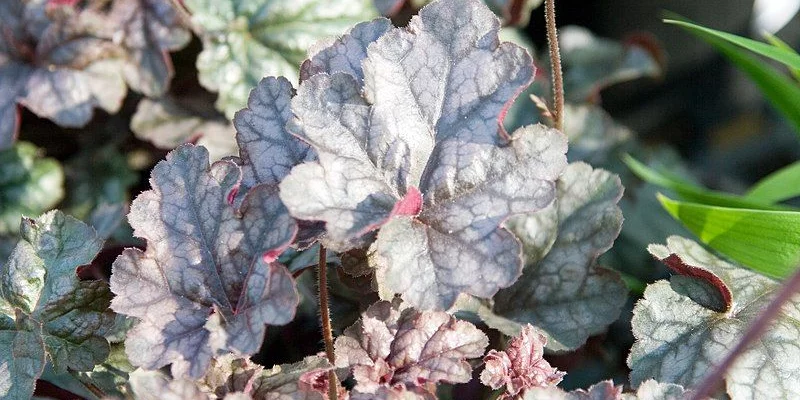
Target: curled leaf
x=208 y=281
x=679 y=340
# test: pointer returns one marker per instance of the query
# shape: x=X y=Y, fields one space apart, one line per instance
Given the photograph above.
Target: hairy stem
x=712 y=380
x=555 y=64
x=325 y=316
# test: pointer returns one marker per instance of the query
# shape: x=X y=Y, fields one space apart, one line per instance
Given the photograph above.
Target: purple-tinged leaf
x=58 y=62
x=344 y=54
x=166 y=124
x=427 y=165
x=245 y=40
x=562 y=290
x=150 y=29
x=208 y=282
x=679 y=340
x=406 y=349
x=700 y=284
x=45 y=310
x=521 y=366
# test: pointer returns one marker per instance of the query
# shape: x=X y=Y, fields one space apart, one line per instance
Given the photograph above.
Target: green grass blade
x=766 y=241
x=693 y=193
x=778 y=186
x=777 y=42
x=780 y=90
x=787 y=57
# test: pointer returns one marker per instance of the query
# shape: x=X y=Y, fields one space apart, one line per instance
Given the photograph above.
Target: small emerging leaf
x=390 y=348
x=521 y=366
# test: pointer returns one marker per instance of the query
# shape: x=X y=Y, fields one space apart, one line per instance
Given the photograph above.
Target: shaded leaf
x=57 y=64
x=398 y=349
x=150 y=29
x=96 y=176
x=521 y=365
x=429 y=167
x=45 y=309
x=245 y=40
x=562 y=290
x=29 y=184
x=208 y=281
x=592 y=63
x=679 y=341
x=166 y=124
x=594 y=137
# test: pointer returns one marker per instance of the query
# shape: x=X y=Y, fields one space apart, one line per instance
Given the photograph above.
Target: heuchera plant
x=388 y=157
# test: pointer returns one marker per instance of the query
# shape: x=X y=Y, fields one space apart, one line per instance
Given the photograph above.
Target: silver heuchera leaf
x=150 y=29
x=45 y=309
x=166 y=124
x=521 y=366
x=245 y=40
x=405 y=349
x=208 y=281
x=679 y=341
x=60 y=68
x=154 y=385
x=562 y=290
x=428 y=165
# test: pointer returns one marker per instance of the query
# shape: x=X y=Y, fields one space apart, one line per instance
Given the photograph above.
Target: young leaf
x=562 y=290
x=428 y=166
x=208 y=281
x=29 y=184
x=397 y=349
x=679 y=340
x=245 y=40
x=521 y=366
x=167 y=125
x=45 y=309
x=766 y=241
x=150 y=30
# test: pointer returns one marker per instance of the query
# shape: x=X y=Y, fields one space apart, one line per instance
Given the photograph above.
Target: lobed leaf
x=208 y=281
x=45 y=310
x=245 y=40
x=679 y=340
x=606 y=390
x=428 y=166
x=393 y=350
x=562 y=290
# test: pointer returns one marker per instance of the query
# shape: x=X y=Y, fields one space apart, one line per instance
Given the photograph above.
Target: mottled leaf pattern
x=426 y=164
x=521 y=366
x=679 y=340
x=45 y=309
x=562 y=290
x=208 y=281
x=403 y=349
x=246 y=40
x=606 y=390
x=29 y=184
